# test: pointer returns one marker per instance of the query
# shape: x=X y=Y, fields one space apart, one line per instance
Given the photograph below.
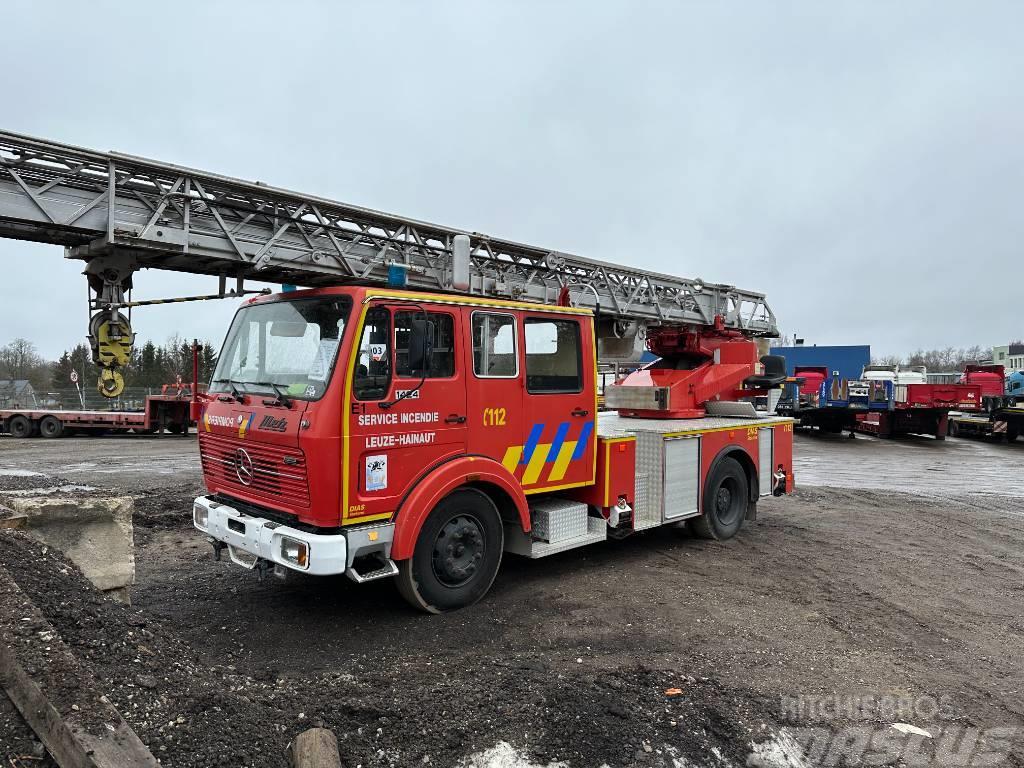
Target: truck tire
x=953 y=429
x=51 y=426
x=19 y=426
x=726 y=496
x=457 y=554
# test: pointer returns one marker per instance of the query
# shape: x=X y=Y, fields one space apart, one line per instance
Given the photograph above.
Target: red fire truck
x=430 y=402
x=382 y=433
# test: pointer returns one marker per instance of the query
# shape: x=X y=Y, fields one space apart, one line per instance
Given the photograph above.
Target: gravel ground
x=837 y=591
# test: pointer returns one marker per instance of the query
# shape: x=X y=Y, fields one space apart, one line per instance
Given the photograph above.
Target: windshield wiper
x=282 y=398
x=238 y=397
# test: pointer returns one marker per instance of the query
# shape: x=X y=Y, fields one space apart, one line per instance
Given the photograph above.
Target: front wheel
x=457 y=554
x=726 y=496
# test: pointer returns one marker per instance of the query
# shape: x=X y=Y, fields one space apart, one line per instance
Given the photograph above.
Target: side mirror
x=421 y=344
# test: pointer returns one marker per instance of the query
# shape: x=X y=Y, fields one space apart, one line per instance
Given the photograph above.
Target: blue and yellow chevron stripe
x=555 y=456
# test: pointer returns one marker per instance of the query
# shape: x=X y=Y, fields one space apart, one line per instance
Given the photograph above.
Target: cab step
x=385 y=571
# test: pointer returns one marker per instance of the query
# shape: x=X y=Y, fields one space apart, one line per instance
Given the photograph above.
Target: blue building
x=848 y=360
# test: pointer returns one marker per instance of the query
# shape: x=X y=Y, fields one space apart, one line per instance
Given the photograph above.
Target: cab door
x=403 y=420
x=494 y=385
x=560 y=401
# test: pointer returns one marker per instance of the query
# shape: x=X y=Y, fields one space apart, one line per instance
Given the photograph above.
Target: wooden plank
x=17 y=522
x=316 y=748
x=57 y=696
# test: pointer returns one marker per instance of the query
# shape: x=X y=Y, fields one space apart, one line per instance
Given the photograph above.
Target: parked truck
x=1001 y=415
x=429 y=403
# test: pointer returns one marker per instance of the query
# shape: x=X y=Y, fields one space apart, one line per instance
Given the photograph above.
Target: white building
x=1010 y=356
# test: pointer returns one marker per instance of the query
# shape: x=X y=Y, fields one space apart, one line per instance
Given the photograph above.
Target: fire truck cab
x=382 y=433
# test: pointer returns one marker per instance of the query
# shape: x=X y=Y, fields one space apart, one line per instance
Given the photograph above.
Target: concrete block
x=95 y=533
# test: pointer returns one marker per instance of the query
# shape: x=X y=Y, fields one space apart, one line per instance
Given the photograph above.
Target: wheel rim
x=726 y=498
x=458 y=551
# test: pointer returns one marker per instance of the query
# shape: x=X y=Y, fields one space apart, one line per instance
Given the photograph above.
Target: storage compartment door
x=682 y=478
x=765 y=450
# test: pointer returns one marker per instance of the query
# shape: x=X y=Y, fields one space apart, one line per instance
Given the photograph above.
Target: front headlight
x=200 y=516
x=294 y=551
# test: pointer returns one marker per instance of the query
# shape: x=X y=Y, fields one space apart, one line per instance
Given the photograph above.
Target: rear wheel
x=51 y=426
x=726 y=496
x=457 y=554
x=19 y=426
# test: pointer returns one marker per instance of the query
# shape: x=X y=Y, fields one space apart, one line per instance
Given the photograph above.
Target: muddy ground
x=853 y=587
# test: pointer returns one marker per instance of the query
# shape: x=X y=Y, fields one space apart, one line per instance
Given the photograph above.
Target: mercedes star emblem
x=243 y=466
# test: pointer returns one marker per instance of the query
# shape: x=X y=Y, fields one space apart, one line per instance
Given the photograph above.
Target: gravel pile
x=164 y=508
x=387 y=710
x=18 y=480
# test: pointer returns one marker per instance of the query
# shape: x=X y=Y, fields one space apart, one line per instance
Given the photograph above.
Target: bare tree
x=19 y=359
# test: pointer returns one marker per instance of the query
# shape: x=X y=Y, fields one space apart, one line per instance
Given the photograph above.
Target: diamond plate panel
x=649 y=461
x=644 y=513
x=557 y=520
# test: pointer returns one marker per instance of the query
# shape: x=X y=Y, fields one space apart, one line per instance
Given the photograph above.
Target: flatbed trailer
x=817 y=400
x=921 y=409
x=1005 y=423
x=161 y=413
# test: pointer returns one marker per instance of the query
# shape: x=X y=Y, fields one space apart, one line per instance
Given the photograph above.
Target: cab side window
x=442 y=336
x=494 y=345
x=371 y=379
x=554 y=362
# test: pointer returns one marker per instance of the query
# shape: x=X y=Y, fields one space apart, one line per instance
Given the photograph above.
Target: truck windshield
x=291 y=344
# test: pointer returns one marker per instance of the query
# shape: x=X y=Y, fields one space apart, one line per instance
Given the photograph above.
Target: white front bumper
x=261 y=538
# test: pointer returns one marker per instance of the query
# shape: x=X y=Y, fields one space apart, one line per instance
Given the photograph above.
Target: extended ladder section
x=121 y=213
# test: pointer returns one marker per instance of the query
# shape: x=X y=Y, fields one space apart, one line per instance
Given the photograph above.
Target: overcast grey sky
x=861 y=163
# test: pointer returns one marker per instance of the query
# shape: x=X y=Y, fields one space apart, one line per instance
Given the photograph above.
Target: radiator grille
x=268 y=477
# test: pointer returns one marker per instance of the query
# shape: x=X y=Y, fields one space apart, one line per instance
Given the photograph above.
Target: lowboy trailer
x=430 y=402
x=169 y=413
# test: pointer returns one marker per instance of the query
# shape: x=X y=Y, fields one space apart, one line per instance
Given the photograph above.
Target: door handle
x=455 y=419
x=580 y=412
